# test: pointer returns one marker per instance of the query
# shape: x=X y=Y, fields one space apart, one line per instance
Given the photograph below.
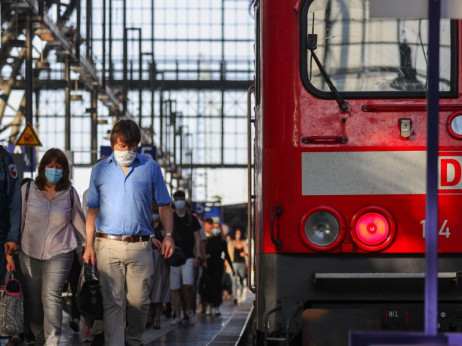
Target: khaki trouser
x=126 y=271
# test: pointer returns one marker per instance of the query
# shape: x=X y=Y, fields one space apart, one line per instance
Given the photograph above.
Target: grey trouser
x=239 y=269
x=43 y=288
x=126 y=272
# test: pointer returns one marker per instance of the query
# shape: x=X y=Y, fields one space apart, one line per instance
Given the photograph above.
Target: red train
x=338 y=172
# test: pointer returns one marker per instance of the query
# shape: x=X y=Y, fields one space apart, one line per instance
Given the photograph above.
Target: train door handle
x=276 y=241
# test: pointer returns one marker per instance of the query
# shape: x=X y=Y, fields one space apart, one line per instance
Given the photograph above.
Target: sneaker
x=191 y=317
x=74 y=324
x=217 y=311
x=208 y=310
x=87 y=337
x=15 y=340
x=98 y=340
x=29 y=339
x=176 y=321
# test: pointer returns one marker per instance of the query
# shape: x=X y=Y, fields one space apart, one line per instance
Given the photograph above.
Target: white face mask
x=238 y=236
x=155 y=217
x=124 y=158
x=180 y=204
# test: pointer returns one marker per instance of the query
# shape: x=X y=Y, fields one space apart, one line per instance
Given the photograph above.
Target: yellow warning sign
x=28 y=137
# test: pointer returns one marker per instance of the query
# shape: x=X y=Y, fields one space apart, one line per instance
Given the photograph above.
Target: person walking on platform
x=187 y=238
x=10 y=211
x=208 y=225
x=160 y=292
x=53 y=226
x=238 y=251
x=122 y=189
x=216 y=246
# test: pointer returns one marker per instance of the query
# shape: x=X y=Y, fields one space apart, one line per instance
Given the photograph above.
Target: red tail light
x=373 y=228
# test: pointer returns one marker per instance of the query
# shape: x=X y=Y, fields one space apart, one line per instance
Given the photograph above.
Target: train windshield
x=361 y=54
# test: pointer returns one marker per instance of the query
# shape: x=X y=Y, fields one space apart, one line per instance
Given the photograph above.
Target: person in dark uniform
x=10 y=210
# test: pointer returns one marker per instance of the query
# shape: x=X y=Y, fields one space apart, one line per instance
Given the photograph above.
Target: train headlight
x=454 y=125
x=322 y=228
x=373 y=228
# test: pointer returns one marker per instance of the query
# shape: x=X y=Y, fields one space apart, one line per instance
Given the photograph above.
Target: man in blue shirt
x=10 y=209
x=122 y=189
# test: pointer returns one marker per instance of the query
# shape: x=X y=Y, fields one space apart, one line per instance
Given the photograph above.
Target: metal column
x=431 y=205
x=67 y=100
x=94 y=122
x=29 y=69
x=125 y=58
x=29 y=79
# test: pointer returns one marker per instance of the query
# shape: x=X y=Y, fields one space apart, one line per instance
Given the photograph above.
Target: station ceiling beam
x=57 y=84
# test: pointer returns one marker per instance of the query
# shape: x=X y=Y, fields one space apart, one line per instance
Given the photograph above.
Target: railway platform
x=225 y=330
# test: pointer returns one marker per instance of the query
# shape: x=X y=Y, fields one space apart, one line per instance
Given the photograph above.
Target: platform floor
x=210 y=330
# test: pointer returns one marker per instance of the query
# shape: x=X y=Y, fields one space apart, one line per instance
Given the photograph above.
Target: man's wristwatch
x=169 y=234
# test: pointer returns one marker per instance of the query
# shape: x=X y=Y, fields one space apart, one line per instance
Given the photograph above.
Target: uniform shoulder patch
x=13 y=170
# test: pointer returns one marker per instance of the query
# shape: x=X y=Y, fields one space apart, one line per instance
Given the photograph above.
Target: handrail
x=276 y=241
x=407 y=107
x=267 y=315
x=324 y=140
x=295 y=313
x=250 y=196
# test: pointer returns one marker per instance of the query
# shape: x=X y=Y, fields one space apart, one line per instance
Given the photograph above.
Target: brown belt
x=127 y=238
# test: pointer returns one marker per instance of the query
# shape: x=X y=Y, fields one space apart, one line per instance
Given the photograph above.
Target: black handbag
x=89 y=296
x=177 y=259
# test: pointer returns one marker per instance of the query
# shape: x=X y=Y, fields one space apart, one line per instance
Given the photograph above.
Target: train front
x=340 y=172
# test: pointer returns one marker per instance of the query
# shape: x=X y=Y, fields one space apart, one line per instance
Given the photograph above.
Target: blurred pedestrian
x=187 y=237
x=122 y=189
x=208 y=225
x=216 y=250
x=53 y=225
x=238 y=251
x=160 y=292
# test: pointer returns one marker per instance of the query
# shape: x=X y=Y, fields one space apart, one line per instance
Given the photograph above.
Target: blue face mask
x=216 y=231
x=53 y=175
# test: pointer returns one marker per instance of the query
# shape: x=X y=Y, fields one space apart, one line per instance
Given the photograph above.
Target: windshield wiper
x=312 y=44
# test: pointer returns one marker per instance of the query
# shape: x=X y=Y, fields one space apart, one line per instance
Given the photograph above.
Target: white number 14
x=443 y=230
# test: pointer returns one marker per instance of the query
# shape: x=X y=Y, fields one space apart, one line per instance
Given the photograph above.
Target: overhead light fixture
x=78 y=96
x=19 y=5
x=42 y=64
x=77 y=68
x=44 y=33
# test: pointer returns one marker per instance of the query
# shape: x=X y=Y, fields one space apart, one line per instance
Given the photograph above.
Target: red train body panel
x=354 y=166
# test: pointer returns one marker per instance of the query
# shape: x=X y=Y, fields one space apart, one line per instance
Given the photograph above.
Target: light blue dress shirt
x=124 y=201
